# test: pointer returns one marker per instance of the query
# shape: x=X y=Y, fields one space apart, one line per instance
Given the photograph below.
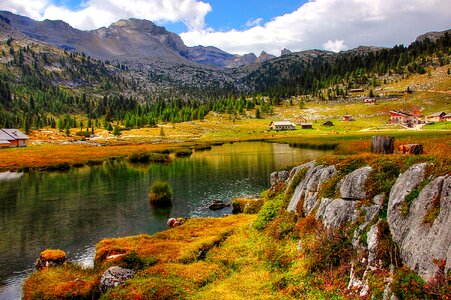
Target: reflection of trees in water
x=79 y=207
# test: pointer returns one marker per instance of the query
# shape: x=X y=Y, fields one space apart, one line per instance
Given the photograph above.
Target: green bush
x=139 y=157
x=160 y=194
x=408 y=285
x=268 y=212
x=183 y=152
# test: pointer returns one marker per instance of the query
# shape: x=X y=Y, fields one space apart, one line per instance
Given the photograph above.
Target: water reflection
x=75 y=209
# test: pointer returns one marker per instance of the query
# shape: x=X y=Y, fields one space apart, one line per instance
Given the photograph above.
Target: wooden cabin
x=370 y=101
x=282 y=125
x=404 y=118
x=348 y=118
x=436 y=117
x=12 y=138
x=299 y=120
x=307 y=125
x=447 y=117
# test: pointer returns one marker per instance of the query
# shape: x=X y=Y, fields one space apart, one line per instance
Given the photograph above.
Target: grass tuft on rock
x=160 y=194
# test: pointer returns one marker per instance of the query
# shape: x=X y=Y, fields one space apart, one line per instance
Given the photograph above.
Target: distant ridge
x=131 y=39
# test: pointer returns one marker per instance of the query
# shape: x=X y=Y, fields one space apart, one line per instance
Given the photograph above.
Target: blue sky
x=226 y=14
x=244 y=26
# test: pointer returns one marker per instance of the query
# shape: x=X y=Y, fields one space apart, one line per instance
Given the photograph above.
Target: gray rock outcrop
x=352 y=187
x=309 y=187
x=278 y=176
x=373 y=242
x=334 y=213
x=114 y=276
x=421 y=242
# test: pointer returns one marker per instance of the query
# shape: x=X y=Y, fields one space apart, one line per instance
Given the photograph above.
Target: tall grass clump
x=160 y=194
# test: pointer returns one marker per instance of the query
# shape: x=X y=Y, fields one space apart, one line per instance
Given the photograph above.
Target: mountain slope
x=131 y=39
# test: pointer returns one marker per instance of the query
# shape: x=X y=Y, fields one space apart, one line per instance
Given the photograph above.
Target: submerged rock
x=218 y=204
x=113 y=277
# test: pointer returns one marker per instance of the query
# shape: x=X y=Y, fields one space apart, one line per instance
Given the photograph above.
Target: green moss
x=268 y=212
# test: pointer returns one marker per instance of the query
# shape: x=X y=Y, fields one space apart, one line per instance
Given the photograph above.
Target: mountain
x=433 y=35
x=131 y=39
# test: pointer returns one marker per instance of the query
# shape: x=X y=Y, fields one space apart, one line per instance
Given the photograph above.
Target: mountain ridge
x=127 y=39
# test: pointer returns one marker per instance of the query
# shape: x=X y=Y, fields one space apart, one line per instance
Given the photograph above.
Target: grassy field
x=432 y=93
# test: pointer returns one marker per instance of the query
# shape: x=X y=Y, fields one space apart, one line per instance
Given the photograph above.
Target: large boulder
x=114 y=276
x=404 y=185
x=352 y=187
x=278 y=177
x=308 y=189
x=334 y=213
x=421 y=240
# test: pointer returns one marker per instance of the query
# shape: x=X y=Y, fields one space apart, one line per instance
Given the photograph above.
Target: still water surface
x=76 y=209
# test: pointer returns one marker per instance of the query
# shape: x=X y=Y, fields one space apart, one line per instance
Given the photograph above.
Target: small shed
x=436 y=117
x=14 y=137
x=307 y=125
x=328 y=123
x=282 y=125
x=348 y=118
x=299 y=120
x=370 y=101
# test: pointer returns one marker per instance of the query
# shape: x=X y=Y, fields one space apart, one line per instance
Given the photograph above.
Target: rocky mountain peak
x=285 y=51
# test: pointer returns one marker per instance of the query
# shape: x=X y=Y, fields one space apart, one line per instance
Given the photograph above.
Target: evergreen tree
x=116 y=131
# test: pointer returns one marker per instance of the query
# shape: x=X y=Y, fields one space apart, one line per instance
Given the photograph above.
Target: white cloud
x=255 y=22
x=335 y=46
x=97 y=13
x=32 y=9
x=326 y=24
x=356 y=22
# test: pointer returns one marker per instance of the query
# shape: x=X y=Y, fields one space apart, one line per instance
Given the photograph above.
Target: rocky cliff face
x=418 y=211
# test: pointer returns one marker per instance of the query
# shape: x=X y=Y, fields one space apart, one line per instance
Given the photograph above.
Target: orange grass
x=51 y=254
x=53 y=154
x=180 y=244
x=65 y=282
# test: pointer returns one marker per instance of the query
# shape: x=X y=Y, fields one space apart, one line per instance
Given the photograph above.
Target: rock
x=307 y=190
x=421 y=243
x=174 y=222
x=373 y=242
x=336 y=212
x=278 y=177
x=328 y=123
x=371 y=212
x=379 y=199
x=50 y=258
x=405 y=183
x=113 y=277
x=218 y=204
x=352 y=187
x=415 y=149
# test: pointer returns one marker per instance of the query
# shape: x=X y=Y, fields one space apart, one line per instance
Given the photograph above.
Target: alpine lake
x=75 y=209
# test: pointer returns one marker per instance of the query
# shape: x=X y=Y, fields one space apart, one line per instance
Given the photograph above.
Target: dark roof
x=12 y=134
x=438 y=114
x=400 y=113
